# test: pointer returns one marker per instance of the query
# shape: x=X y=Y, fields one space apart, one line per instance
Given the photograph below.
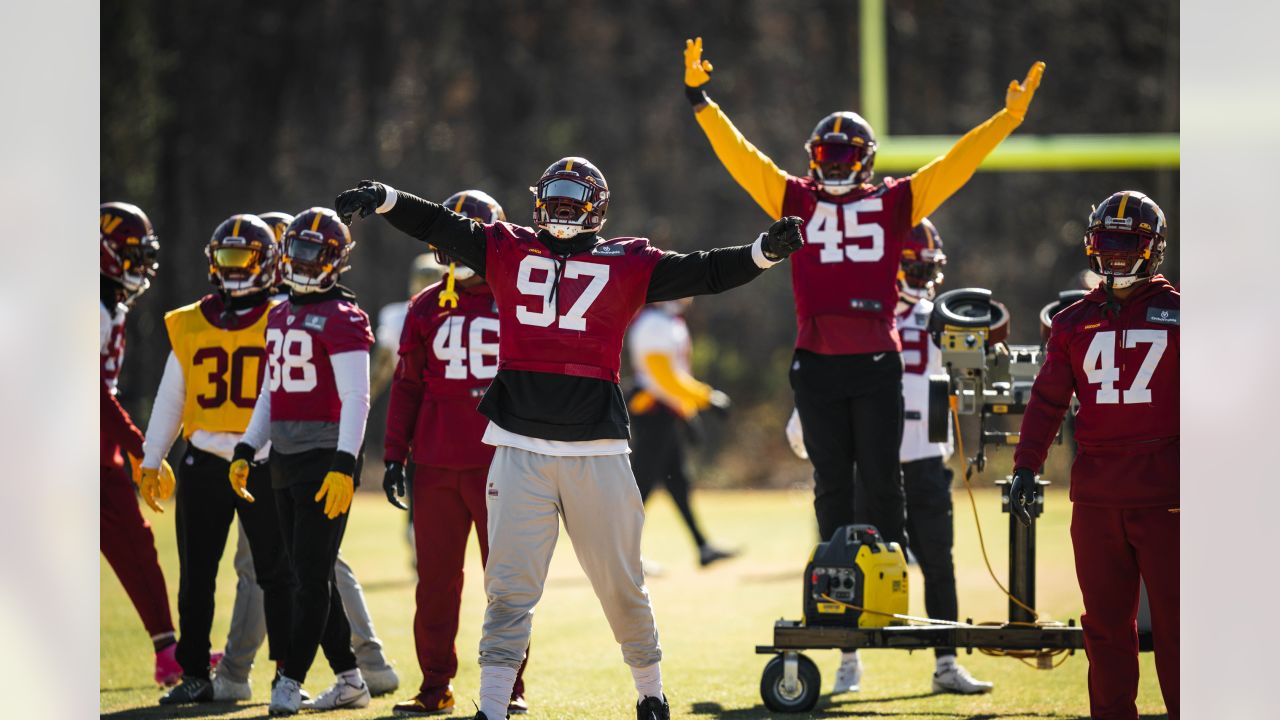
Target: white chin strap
x=837 y=190
x=1123 y=281
x=462 y=272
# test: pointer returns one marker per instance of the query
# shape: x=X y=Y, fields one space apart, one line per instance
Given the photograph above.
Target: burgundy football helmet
x=481 y=208
x=920 y=267
x=1125 y=238
x=315 y=250
x=570 y=198
x=243 y=255
x=842 y=152
x=129 y=248
x=279 y=222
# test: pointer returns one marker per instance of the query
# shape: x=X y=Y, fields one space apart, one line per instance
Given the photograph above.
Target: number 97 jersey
x=300 y=341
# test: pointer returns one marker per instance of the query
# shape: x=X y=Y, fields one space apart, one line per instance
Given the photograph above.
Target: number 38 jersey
x=844 y=278
x=1122 y=365
x=547 y=298
x=448 y=356
x=300 y=338
x=920 y=359
x=222 y=361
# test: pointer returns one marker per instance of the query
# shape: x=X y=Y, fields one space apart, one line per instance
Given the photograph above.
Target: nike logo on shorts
x=876 y=357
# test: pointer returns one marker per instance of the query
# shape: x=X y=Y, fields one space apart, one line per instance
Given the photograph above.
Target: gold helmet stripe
x=1124 y=200
x=235 y=231
x=315 y=223
x=568 y=166
x=461 y=199
x=836 y=129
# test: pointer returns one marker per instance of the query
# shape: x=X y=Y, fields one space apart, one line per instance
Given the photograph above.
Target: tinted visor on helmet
x=304 y=247
x=141 y=259
x=235 y=257
x=838 y=152
x=565 y=188
x=1105 y=241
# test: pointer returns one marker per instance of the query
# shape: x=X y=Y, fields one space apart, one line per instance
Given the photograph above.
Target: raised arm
x=763 y=180
x=932 y=184
x=423 y=219
x=707 y=272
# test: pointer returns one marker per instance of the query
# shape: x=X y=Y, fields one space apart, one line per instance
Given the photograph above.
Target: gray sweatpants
x=249 y=624
x=600 y=503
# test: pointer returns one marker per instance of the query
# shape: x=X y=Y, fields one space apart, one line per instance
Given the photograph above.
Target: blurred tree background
x=215 y=108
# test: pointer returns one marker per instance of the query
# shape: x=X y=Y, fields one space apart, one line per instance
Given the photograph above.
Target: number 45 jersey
x=1122 y=365
x=301 y=337
x=448 y=356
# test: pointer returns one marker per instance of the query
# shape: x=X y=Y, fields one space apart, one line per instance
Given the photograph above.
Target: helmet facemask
x=309 y=262
x=564 y=207
x=1123 y=257
x=920 y=274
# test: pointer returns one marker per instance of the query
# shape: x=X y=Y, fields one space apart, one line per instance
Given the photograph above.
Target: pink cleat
x=168 y=671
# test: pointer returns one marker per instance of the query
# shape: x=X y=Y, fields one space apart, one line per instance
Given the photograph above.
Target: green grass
x=710 y=622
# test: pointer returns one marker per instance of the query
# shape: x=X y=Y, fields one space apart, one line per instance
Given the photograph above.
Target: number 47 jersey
x=1122 y=364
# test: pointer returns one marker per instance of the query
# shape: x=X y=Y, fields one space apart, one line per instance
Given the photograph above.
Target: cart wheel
x=799 y=697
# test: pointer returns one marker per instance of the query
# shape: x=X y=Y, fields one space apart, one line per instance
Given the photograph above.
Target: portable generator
x=855 y=567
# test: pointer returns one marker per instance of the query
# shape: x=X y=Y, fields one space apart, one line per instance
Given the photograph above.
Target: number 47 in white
x=1100 y=364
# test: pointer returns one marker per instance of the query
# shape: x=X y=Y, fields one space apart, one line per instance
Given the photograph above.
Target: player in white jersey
x=926 y=478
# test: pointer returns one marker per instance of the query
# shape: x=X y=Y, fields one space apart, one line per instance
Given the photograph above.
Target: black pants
x=929 y=525
x=851 y=411
x=657 y=456
x=311 y=543
x=206 y=508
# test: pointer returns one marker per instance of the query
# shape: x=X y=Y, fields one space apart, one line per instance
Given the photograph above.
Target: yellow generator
x=853 y=571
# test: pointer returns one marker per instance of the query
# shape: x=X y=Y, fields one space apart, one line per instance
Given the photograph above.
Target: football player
x=128 y=251
x=448 y=354
x=557 y=416
x=847 y=369
x=667 y=397
x=425 y=271
x=1117 y=351
x=312 y=408
x=926 y=478
x=248 y=628
x=207 y=392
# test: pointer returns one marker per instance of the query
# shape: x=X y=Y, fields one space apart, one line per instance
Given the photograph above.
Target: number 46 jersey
x=448 y=356
x=1122 y=365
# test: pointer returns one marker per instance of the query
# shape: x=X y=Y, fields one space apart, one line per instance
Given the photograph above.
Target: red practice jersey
x=116 y=430
x=565 y=316
x=845 y=277
x=1123 y=367
x=300 y=340
x=448 y=356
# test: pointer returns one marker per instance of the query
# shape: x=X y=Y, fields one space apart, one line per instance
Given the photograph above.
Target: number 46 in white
x=1100 y=364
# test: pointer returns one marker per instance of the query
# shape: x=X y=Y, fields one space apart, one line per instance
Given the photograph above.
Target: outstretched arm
x=763 y=180
x=423 y=219
x=932 y=184
x=707 y=272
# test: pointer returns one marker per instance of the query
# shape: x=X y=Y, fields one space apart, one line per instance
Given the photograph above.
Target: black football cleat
x=652 y=708
x=192 y=690
x=708 y=554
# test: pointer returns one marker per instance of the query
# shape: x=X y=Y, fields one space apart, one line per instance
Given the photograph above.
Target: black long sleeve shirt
x=563 y=407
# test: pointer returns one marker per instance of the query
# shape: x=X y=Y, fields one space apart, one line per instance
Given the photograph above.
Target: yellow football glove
x=336 y=490
x=166 y=480
x=1019 y=95
x=696 y=70
x=149 y=487
x=239 y=476
x=135 y=468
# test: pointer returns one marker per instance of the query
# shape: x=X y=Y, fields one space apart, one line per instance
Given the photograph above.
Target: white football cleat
x=955 y=679
x=227 y=690
x=349 y=691
x=286 y=697
x=849 y=676
x=382 y=681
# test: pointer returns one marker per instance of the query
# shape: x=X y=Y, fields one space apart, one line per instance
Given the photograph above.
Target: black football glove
x=393 y=484
x=364 y=198
x=1022 y=494
x=782 y=239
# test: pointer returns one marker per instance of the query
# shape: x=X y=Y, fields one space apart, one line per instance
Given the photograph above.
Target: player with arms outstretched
x=128 y=251
x=448 y=355
x=1117 y=351
x=847 y=368
x=207 y=392
x=556 y=411
x=313 y=407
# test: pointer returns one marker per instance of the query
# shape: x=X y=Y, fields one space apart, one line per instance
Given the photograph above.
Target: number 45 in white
x=1100 y=364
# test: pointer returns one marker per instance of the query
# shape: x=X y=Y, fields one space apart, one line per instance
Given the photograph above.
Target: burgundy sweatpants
x=446 y=504
x=130 y=549
x=1114 y=548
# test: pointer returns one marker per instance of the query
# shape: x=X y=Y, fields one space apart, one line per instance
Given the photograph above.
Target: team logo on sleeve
x=1163 y=316
x=607 y=250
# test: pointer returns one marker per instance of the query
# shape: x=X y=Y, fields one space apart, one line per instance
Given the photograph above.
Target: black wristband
x=243 y=451
x=696 y=95
x=343 y=462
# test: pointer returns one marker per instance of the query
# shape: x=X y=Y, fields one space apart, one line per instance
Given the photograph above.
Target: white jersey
x=390 y=324
x=657 y=331
x=920 y=359
x=111 y=342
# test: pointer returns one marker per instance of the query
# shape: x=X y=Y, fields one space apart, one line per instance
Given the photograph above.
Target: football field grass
x=710 y=622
